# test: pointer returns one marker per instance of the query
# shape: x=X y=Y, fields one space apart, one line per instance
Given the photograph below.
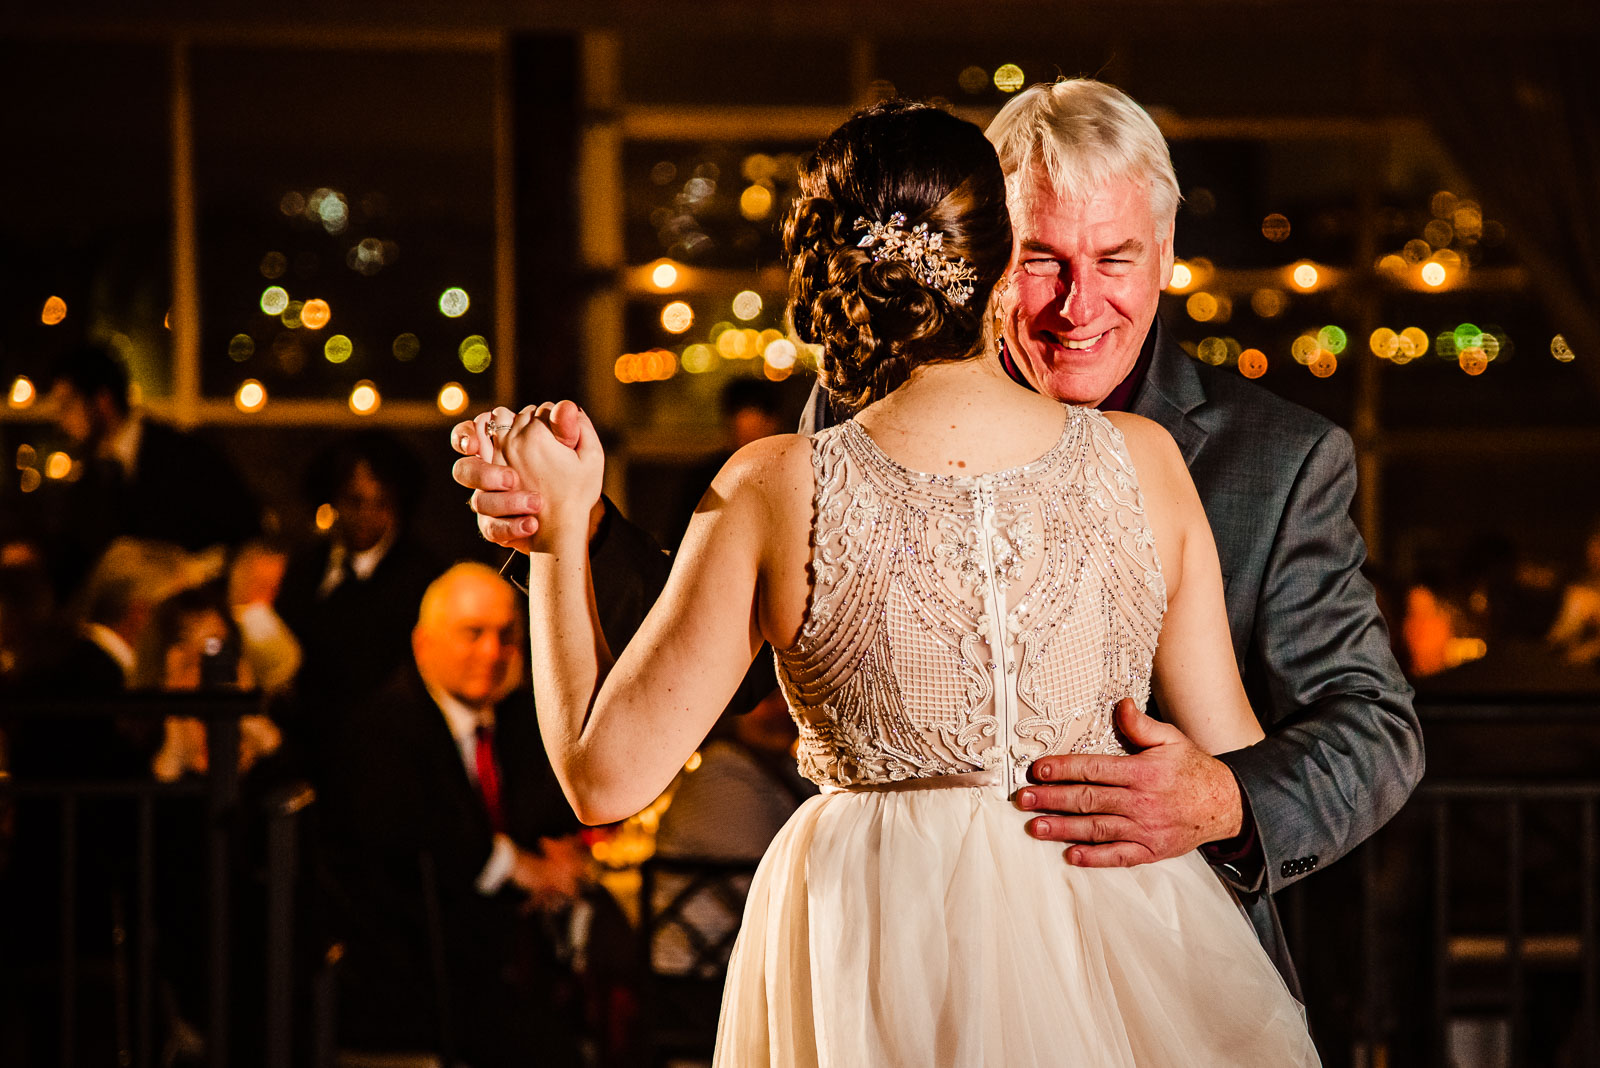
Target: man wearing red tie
x=448 y=830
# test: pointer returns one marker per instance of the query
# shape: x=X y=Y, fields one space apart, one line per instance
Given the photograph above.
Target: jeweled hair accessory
x=923 y=251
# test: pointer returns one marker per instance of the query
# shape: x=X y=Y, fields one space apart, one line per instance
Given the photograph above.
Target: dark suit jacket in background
x=405 y=820
x=1343 y=749
x=183 y=490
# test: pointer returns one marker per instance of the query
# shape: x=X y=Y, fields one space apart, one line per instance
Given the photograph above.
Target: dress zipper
x=983 y=502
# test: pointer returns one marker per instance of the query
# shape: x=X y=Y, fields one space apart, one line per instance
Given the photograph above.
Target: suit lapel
x=1172 y=391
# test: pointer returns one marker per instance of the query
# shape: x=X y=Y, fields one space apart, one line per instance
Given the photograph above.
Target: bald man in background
x=440 y=787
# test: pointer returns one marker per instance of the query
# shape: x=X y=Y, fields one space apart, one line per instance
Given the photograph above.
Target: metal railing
x=135 y=1024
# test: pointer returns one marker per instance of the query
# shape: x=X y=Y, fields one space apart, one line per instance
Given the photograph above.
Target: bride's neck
x=941 y=387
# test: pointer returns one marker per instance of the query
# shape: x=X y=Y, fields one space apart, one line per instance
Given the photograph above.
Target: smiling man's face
x=1083 y=286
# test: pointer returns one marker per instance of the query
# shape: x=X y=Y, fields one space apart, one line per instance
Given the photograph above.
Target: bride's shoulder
x=776 y=464
x=1150 y=447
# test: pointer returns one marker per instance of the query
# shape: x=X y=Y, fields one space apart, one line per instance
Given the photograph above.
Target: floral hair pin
x=921 y=250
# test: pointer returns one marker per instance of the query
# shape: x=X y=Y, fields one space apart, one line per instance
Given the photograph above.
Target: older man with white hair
x=1093 y=200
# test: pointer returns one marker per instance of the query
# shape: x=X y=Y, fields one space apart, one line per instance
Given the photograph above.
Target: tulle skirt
x=925 y=928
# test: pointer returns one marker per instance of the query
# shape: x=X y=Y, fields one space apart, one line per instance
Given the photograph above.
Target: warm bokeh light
x=1305 y=276
x=23 y=393
x=1413 y=342
x=1392 y=264
x=1275 y=227
x=1252 y=363
x=274 y=300
x=1268 y=303
x=58 y=466
x=1008 y=78
x=241 y=347
x=364 y=398
x=780 y=354
x=273 y=264
x=677 y=317
x=1473 y=360
x=26 y=457
x=732 y=345
x=1202 y=307
x=327 y=516
x=1304 y=349
x=29 y=480
x=973 y=79
x=251 y=396
x=1324 y=365
x=755 y=203
x=747 y=305
x=291 y=315
x=698 y=359
x=1384 y=343
x=656 y=365
x=452 y=398
x=474 y=353
x=55 y=310
x=315 y=313
x=694 y=761
x=338 y=349
x=1560 y=349
x=405 y=347
x=1438 y=233
x=1182 y=277
x=1433 y=274
x=1443 y=204
x=665 y=275
x=1213 y=350
x=1333 y=339
x=454 y=302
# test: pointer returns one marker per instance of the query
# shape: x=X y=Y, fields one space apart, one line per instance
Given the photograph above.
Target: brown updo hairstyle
x=876 y=320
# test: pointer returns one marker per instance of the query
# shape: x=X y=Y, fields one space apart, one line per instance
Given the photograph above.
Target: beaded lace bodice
x=967 y=623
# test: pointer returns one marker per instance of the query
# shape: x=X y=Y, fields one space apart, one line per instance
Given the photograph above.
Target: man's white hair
x=1083 y=133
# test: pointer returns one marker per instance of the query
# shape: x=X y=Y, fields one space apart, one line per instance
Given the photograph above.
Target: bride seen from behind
x=964 y=577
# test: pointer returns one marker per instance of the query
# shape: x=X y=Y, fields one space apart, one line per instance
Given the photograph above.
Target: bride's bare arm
x=618 y=733
x=1196 y=681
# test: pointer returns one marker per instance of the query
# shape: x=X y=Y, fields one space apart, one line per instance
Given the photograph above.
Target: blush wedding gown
x=959 y=628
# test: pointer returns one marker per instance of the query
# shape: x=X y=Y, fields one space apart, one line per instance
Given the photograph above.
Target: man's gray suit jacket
x=1343 y=749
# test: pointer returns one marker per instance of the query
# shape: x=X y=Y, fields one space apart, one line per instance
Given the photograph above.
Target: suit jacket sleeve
x=629 y=570
x=1343 y=749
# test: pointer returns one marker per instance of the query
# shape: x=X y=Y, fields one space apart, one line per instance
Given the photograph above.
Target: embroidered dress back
x=959 y=628
x=967 y=623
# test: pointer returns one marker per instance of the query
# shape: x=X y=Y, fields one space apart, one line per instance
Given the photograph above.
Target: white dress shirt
x=464 y=721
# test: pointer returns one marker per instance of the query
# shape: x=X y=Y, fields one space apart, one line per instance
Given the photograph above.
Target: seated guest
x=351 y=597
x=140 y=476
x=255 y=578
x=448 y=830
x=194 y=644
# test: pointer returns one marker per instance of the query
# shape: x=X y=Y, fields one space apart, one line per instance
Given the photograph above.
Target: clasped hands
x=535 y=474
x=540 y=468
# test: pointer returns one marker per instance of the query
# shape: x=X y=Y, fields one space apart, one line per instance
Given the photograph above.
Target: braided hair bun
x=876 y=320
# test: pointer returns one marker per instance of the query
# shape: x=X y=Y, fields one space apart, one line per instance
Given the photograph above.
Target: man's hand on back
x=1117 y=811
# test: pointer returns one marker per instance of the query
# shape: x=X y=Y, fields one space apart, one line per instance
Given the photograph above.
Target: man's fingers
x=1097 y=828
x=1111 y=770
x=514 y=505
x=1109 y=855
x=483 y=476
x=1076 y=797
x=509 y=533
